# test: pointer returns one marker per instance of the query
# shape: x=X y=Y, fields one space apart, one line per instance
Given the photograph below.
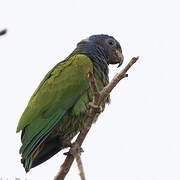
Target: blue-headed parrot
x=58 y=108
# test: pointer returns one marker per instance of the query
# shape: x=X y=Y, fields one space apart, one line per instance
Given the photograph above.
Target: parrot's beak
x=117 y=58
x=120 y=57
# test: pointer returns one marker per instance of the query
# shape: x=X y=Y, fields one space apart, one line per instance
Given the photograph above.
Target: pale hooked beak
x=120 y=57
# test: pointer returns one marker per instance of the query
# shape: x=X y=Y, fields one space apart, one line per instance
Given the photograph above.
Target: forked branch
x=98 y=98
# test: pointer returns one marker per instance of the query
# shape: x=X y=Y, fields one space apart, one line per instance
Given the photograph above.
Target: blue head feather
x=97 y=49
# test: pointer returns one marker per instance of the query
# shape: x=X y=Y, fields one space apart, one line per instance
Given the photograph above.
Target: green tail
x=49 y=149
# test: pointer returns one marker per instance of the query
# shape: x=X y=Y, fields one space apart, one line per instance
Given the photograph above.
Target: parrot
x=58 y=108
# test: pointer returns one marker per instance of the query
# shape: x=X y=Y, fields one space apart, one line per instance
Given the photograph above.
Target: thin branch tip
x=135 y=58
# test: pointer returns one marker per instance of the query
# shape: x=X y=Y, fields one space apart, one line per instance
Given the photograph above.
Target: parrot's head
x=108 y=45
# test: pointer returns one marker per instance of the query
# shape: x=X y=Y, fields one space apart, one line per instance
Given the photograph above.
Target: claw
x=75 y=149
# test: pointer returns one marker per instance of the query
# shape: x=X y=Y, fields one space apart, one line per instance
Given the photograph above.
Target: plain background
x=138 y=135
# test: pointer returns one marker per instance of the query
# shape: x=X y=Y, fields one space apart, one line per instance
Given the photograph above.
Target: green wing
x=56 y=94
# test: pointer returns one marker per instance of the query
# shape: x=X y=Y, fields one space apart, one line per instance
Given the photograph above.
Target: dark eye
x=111 y=42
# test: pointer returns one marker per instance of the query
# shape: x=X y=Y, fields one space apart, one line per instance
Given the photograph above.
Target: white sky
x=138 y=135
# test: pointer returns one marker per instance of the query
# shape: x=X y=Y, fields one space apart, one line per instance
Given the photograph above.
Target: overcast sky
x=138 y=135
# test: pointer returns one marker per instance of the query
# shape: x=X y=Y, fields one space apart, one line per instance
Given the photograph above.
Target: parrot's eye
x=111 y=42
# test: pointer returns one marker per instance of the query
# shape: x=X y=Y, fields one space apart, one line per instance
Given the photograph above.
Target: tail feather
x=49 y=148
x=27 y=163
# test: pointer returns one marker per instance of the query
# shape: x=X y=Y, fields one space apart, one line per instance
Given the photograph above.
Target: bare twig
x=2 y=32
x=98 y=98
x=80 y=166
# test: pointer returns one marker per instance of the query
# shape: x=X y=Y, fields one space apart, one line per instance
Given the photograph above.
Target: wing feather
x=56 y=94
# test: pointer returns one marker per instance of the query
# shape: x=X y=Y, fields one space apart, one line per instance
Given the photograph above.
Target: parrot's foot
x=75 y=149
x=98 y=109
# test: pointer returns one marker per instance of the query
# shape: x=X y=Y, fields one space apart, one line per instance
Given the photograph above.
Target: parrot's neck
x=96 y=54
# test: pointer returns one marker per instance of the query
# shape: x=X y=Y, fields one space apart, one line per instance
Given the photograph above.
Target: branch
x=98 y=98
x=107 y=90
x=80 y=166
x=2 y=32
